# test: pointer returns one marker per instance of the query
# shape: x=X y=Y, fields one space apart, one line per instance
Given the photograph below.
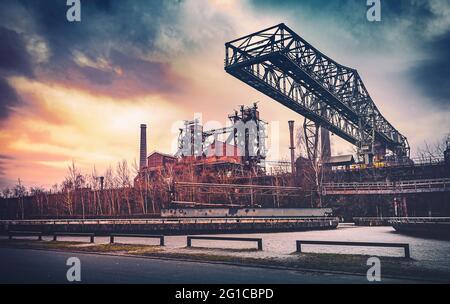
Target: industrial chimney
x=143 y=151
x=292 y=147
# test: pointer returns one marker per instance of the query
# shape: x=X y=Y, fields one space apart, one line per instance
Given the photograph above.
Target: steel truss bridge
x=401 y=187
x=282 y=65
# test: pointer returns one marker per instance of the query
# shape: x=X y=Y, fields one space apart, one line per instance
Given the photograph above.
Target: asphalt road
x=37 y=266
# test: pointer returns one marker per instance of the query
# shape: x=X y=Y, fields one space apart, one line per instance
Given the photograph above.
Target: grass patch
x=34 y=244
x=79 y=246
x=120 y=248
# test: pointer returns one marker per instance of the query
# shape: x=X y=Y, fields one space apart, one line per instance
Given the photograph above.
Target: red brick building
x=157 y=161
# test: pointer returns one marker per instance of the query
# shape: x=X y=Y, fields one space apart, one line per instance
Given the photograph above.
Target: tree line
x=84 y=195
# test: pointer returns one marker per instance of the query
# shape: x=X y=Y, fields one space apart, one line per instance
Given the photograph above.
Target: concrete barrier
x=257 y=240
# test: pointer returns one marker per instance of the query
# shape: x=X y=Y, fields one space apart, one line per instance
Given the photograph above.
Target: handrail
x=237 y=186
x=412 y=220
x=402 y=218
x=442 y=184
x=399 y=183
x=164 y=221
x=416 y=162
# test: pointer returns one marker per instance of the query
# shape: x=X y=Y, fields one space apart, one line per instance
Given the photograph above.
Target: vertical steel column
x=292 y=147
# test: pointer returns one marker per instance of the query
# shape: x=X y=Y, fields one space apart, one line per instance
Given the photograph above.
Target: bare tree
x=141 y=186
x=72 y=185
x=315 y=175
x=124 y=182
x=19 y=192
x=432 y=152
x=56 y=195
x=7 y=193
x=38 y=194
x=94 y=180
x=110 y=195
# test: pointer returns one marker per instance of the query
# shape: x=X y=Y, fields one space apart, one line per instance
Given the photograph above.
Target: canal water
x=431 y=253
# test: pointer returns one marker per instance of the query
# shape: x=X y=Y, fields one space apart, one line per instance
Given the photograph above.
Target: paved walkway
x=37 y=266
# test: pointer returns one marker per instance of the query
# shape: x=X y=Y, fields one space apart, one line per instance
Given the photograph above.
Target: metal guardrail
x=412 y=186
x=258 y=240
x=408 y=183
x=405 y=219
x=90 y=235
x=115 y=235
x=360 y=244
x=418 y=221
x=165 y=221
x=11 y=234
x=416 y=163
x=237 y=186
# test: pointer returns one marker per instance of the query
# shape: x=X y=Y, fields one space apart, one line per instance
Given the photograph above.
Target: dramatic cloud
x=14 y=60
x=14 y=57
x=111 y=52
x=8 y=99
x=4 y=159
x=432 y=75
x=79 y=91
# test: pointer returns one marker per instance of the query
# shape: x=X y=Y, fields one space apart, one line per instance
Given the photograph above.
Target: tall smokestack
x=292 y=147
x=143 y=151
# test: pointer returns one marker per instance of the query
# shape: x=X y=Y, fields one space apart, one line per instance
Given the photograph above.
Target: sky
x=78 y=91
